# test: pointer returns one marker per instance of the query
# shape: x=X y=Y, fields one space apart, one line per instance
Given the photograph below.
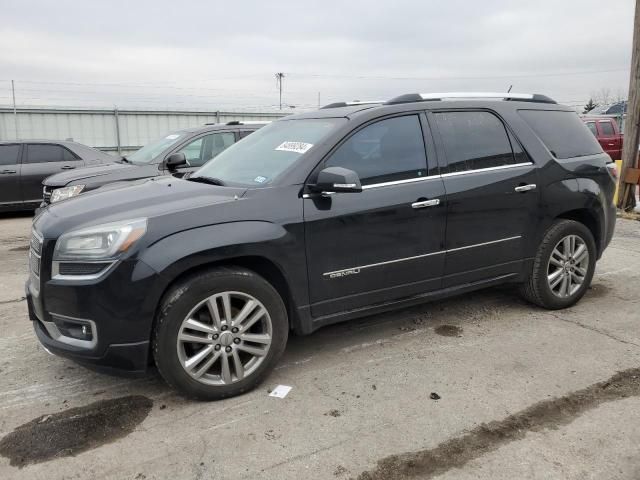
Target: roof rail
x=424 y=97
x=239 y=122
x=353 y=103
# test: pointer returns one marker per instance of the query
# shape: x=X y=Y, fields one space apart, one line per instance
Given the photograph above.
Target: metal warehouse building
x=113 y=131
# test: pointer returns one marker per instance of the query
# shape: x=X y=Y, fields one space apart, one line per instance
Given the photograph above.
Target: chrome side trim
x=484 y=243
x=488 y=169
x=400 y=182
x=352 y=270
x=355 y=270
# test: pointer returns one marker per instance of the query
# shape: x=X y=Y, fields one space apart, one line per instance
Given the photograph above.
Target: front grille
x=35 y=254
x=46 y=194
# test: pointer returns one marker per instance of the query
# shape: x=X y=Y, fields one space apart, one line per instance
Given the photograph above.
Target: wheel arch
x=589 y=219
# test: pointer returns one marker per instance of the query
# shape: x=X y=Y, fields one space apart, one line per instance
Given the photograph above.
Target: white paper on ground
x=280 y=391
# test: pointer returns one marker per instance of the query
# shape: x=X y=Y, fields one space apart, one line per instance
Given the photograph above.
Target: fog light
x=74 y=328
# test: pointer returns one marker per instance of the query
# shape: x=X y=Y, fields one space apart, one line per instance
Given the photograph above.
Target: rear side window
x=384 y=151
x=563 y=133
x=475 y=140
x=592 y=127
x=9 y=154
x=49 y=153
x=607 y=129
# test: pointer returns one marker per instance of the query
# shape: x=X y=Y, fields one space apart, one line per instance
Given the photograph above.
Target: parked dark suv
x=178 y=153
x=25 y=164
x=319 y=218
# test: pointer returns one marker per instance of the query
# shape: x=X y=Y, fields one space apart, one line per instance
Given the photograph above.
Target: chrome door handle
x=68 y=167
x=7 y=171
x=525 y=188
x=426 y=203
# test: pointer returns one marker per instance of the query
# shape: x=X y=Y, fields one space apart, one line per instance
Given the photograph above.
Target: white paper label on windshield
x=297 y=147
x=171 y=137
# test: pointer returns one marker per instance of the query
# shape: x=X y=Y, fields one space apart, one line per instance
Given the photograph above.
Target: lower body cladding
x=98 y=322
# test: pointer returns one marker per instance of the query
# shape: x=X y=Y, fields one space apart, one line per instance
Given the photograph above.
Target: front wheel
x=563 y=267
x=219 y=333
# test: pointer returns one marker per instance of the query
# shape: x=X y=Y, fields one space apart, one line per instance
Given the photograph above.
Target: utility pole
x=318 y=99
x=279 y=79
x=626 y=186
x=15 y=112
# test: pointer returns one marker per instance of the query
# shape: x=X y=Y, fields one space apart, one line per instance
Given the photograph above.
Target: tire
x=540 y=287
x=202 y=301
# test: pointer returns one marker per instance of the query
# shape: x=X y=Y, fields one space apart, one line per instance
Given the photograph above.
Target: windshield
x=258 y=159
x=150 y=151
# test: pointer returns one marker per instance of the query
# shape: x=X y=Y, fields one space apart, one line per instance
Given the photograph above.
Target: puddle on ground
x=75 y=430
x=488 y=437
x=448 y=330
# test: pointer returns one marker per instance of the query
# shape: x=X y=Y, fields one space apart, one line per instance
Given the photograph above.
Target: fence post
x=115 y=113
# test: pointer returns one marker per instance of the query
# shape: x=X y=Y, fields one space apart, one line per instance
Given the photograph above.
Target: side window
x=607 y=129
x=246 y=133
x=68 y=155
x=193 y=152
x=385 y=151
x=9 y=154
x=592 y=128
x=218 y=143
x=474 y=140
x=45 y=153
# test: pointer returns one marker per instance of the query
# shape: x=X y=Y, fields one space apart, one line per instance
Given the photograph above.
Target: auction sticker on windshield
x=297 y=147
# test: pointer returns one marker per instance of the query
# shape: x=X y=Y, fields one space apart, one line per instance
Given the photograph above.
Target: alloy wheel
x=224 y=338
x=568 y=265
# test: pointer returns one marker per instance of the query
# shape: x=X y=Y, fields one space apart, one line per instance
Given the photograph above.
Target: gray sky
x=210 y=55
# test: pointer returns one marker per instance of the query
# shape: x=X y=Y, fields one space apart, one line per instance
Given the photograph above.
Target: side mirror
x=337 y=179
x=174 y=161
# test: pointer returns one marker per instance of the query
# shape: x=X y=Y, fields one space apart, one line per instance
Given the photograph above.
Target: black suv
x=319 y=218
x=177 y=153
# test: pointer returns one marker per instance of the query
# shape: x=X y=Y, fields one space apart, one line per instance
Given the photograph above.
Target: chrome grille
x=35 y=253
x=46 y=194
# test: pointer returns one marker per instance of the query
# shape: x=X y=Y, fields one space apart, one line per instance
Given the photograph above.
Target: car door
x=492 y=196
x=609 y=140
x=40 y=161
x=202 y=149
x=10 y=191
x=386 y=242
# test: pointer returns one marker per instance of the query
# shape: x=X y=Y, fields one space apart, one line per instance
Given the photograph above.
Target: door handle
x=7 y=171
x=68 y=167
x=426 y=203
x=611 y=144
x=525 y=188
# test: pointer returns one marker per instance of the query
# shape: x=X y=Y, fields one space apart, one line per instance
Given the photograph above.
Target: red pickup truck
x=608 y=134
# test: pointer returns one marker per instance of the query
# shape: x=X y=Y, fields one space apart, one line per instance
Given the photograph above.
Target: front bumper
x=120 y=307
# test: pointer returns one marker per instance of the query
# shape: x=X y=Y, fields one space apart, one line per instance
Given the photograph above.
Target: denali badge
x=344 y=273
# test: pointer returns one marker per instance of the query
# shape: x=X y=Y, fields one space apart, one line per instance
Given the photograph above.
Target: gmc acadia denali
x=318 y=218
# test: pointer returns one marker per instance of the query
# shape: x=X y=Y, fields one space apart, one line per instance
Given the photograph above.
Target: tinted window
x=245 y=133
x=607 y=129
x=592 y=128
x=388 y=150
x=474 y=140
x=45 y=153
x=9 y=154
x=563 y=133
x=205 y=148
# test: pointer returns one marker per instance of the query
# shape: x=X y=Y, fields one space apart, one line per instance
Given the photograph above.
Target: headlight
x=66 y=192
x=102 y=242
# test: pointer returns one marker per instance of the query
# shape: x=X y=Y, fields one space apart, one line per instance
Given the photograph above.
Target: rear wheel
x=220 y=333
x=563 y=267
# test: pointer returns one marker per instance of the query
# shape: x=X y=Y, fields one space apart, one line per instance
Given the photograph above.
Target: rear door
x=609 y=139
x=10 y=191
x=385 y=242
x=40 y=161
x=492 y=196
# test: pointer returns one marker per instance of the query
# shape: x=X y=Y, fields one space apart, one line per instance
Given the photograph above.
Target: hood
x=156 y=199
x=96 y=175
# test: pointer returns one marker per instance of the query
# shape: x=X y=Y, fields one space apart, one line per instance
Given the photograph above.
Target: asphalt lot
x=524 y=393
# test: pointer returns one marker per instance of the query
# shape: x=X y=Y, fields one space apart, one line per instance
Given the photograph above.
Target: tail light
x=613 y=170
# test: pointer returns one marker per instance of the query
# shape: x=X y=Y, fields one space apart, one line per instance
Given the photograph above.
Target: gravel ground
x=482 y=386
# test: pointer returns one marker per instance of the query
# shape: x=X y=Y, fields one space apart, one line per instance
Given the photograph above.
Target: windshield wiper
x=125 y=160
x=209 y=180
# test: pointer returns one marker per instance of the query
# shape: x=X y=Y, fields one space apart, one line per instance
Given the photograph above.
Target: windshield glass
x=150 y=151
x=258 y=159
